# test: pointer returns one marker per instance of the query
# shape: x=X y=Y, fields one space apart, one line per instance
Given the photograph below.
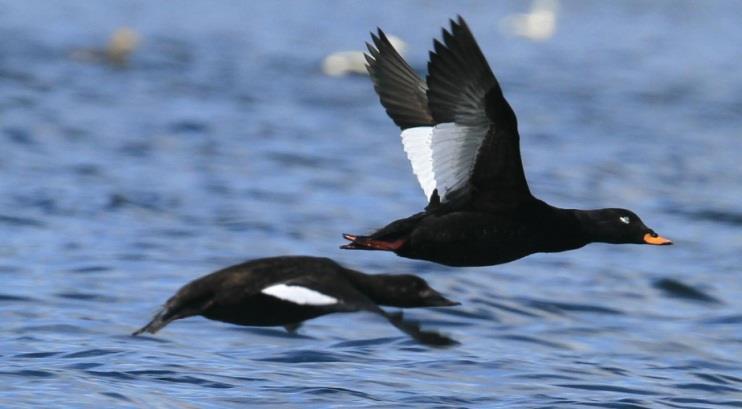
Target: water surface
x=222 y=141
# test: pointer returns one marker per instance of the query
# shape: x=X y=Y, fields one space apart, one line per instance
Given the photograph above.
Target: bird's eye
x=624 y=219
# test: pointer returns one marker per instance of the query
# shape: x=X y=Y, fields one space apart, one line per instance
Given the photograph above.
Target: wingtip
x=381 y=40
x=382 y=35
x=371 y=54
x=458 y=22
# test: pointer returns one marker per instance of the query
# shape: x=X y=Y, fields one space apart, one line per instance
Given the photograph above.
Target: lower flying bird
x=461 y=136
x=285 y=291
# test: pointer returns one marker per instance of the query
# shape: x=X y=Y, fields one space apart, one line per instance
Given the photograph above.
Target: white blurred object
x=538 y=24
x=354 y=62
x=121 y=45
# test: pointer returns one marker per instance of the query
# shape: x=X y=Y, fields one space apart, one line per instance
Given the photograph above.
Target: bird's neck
x=373 y=287
x=590 y=225
x=569 y=228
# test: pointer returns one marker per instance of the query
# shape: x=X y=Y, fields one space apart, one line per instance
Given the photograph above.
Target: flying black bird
x=287 y=290
x=461 y=136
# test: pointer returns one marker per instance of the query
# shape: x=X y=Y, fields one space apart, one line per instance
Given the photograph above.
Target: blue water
x=222 y=141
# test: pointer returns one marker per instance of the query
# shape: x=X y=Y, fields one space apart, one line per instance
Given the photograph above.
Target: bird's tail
x=165 y=316
x=175 y=309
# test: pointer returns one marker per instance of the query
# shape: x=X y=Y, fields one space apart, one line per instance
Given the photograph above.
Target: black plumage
x=251 y=294
x=490 y=217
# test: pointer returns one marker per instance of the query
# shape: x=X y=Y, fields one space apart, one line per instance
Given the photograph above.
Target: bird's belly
x=470 y=240
x=261 y=310
x=463 y=253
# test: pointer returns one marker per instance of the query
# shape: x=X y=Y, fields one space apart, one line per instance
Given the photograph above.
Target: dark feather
x=400 y=89
x=463 y=89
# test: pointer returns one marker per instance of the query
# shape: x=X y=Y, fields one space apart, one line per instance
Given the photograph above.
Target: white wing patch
x=299 y=295
x=417 y=144
x=455 y=149
x=443 y=156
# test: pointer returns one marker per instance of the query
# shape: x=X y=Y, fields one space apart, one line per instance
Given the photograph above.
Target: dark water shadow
x=15 y=298
x=17 y=221
x=677 y=289
x=607 y=388
x=271 y=332
x=562 y=308
x=303 y=356
x=717 y=216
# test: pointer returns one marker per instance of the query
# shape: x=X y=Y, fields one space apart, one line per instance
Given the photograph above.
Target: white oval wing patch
x=417 y=144
x=299 y=295
x=443 y=157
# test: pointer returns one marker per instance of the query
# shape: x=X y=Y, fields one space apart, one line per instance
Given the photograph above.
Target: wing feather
x=401 y=91
x=454 y=152
x=417 y=144
x=475 y=143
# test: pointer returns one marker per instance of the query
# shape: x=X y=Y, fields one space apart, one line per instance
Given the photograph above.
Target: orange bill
x=656 y=240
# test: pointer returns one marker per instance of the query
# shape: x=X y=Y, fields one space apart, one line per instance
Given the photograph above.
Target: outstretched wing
x=401 y=90
x=403 y=94
x=475 y=143
x=333 y=295
x=323 y=292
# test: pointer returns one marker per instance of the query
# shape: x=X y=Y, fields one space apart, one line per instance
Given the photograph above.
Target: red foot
x=364 y=243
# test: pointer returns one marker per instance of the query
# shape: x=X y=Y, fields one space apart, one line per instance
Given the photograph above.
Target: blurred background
x=143 y=144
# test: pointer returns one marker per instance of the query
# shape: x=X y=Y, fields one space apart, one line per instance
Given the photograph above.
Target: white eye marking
x=624 y=219
x=299 y=295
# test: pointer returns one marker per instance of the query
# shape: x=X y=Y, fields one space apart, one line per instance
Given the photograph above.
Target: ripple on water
x=15 y=298
x=302 y=356
x=89 y=353
x=271 y=332
x=321 y=391
x=731 y=319
x=718 y=216
x=535 y=341
x=706 y=387
x=564 y=307
x=122 y=376
x=37 y=355
x=53 y=328
x=620 y=404
x=90 y=269
x=364 y=342
x=194 y=380
x=117 y=396
x=508 y=308
x=85 y=365
x=607 y=388
x=222 y=141
x=86 y=297
x=684 y=402
x=17 y=221
x=479 y=314
x=29 y=373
